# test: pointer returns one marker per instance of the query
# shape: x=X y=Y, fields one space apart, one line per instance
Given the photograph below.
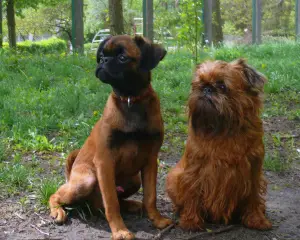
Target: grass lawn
x=50 y=102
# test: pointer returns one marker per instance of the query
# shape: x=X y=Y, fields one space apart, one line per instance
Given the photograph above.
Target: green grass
x=277 y=61
x=50 y=102
x=274 y=163
x=46 y=189
x=47 y=101
x=3 y=151
x=14 y=177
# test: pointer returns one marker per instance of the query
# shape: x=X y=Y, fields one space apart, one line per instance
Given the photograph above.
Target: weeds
x=281 y=152
x=14 y=176
x=3 y=153
x=274 y=163
x=46 y=189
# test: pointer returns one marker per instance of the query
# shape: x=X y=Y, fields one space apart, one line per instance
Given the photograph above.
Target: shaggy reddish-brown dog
x=220 y=177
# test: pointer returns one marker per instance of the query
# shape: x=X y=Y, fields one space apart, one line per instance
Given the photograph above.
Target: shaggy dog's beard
x=213 y=115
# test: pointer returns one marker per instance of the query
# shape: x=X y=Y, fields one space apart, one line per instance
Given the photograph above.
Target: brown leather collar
x=133 y=99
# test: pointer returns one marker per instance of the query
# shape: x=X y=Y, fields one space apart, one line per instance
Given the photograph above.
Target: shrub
x=44 y=46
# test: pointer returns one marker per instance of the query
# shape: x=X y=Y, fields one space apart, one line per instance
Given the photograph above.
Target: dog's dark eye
x=122 y=58
x=221 y=85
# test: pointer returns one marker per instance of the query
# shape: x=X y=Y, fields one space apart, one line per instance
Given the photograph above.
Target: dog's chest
x=132 y=149
x=135 y=118
x=139 y=138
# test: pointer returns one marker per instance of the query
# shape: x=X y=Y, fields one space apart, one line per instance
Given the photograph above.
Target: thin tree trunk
x=77 y=26
x=196 y=35
x=116 y=17
x=11 y=23
x=217 y=23
x=207 y=17
x=1 y=30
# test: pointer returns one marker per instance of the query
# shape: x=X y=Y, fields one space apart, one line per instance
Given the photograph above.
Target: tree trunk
x=217 y=23
x=116 y=17
x=77 y=26
x=1 y=31
x=11 y=23
x=207 y=17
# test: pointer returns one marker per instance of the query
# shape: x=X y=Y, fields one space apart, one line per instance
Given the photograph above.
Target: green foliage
x=32 y=21
x=166 y=25
x=14 y=176
x=278 y=17
x=58 y=20
x=273 y=163
x=230 y=29
x=3 y=151
x=190 y=28
x=96 y=17
x=46 y=189
x=34 y=141
x=237 y=15
x=277 y=159
x=44 y=98
x=20 y=5
x=42 y=47
x=40 y=17
x=226 y=55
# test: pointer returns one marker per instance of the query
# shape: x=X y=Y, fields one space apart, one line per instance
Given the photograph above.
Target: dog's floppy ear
x=254 y=79
x=100 y=48
x=151 y=54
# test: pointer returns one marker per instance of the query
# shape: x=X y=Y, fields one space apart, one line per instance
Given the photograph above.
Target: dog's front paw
x=162 y=222
x=123 y=234
x=58 y=214
x=257 y=221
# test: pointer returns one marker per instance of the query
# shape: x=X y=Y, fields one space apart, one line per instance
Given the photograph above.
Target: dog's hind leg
x=81 y=184
x=188 y=211
x=254 y=212
x=255 y=205
x=172 y=186
x=126 y=190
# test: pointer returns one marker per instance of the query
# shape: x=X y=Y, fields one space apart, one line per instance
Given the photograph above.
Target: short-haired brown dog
x=121 y=151
x=220 y=177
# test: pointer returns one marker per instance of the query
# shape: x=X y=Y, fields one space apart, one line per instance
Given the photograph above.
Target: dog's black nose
x=207 y=90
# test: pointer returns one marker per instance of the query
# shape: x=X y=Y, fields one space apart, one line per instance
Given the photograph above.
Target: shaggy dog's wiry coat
x=220 y=177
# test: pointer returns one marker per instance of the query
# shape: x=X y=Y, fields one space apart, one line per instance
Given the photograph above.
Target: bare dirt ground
x=283 y=208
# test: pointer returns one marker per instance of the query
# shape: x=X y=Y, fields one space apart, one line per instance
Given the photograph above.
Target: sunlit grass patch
x=47 y=188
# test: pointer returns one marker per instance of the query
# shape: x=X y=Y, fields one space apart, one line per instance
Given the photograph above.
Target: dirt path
x=283 y=209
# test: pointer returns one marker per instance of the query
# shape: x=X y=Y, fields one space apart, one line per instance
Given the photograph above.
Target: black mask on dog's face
x=125 y=63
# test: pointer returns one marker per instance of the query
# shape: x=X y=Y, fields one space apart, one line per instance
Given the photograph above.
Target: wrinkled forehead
x=122 y=44
x=210 y=71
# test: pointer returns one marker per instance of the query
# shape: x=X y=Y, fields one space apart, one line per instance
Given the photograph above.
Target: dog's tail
x=69 y=163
